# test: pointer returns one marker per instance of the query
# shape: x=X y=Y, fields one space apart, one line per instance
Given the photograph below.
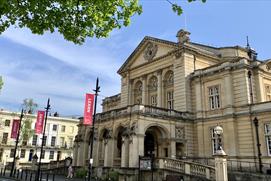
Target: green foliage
x=74 y=19
x=113 y=175
x=178 y=9
x=26 y=129
x=1 y=82
x=29 y=105
x=81 y=173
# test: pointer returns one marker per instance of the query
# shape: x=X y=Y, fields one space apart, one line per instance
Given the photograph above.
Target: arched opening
x=138 y=93
x=119 y=141
x=150 y=144
x=169 y=90
x=156 y=142
x=152 y=91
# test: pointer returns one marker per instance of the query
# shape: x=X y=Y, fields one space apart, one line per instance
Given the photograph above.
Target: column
x=144 y=90
x=198 y=93
x=228 y=93
x=105 y=152
x=159 y=88
x=136 y=148
x=130 y=92
x=124 y=152
x=173 y=149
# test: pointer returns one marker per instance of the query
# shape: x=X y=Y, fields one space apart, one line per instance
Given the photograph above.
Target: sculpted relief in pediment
x=150 y=51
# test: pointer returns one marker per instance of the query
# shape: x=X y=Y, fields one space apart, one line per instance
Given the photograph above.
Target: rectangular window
x=70 y=142
x=54 y=127
x=268 y=92
x=214 y=99
x=51 y=156
x=44 y=140
x=53 y=141
x=34 y=140
x=22 y=155
x=7 y=122
x=267 y=132
x=11 y=153
x=63 y=128
x=154 y=100
x=5 y=138
x=42 y=154
x=170 y=100
x=61 y=141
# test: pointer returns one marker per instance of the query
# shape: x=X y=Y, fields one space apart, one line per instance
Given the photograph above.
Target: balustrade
x=190 y=168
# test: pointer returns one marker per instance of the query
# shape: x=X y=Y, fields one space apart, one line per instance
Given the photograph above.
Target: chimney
x=183 y=36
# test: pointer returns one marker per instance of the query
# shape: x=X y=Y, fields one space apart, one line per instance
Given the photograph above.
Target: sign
x=88 y=109
x=145 y=164
x=15 y=128
x=39 y=122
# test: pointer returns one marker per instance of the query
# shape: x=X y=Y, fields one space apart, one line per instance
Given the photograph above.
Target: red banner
x=39 y=122
x=15 y=128
x=88 y=109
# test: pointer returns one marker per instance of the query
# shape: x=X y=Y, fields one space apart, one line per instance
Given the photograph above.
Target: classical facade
x=60 y=134
x=172 y=96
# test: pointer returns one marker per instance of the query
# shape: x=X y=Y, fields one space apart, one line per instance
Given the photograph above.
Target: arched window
x=169 y=90
x=152 y=88
x=138 y=93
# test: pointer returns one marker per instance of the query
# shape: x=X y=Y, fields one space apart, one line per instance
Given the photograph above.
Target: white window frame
x=267 y=92
x=153 y=100
x=170 y=99
x=267 y=134
x=51 y=155
x=214 y=97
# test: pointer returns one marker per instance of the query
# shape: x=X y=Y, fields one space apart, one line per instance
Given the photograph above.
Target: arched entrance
x=156 y=142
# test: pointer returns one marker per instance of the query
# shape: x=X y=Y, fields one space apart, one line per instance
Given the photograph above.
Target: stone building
x=60 y=133
x=172 y=96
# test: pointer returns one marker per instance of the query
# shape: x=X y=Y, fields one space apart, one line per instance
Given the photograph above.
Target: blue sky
x=39 y=67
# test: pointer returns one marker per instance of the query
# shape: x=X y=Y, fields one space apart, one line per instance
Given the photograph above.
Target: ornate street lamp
x=218 y=130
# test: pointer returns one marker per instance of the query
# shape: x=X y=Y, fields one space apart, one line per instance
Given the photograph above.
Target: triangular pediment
x=148 y=49
x=266 y=65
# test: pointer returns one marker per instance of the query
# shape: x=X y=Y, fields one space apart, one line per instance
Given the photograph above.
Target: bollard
x=18 y=172
x=4 y=171
x=26 y=174
x=40 y=176
x=53 y=176
x=22 y=174
x=1 y=172
x=47 y=177
x=31 y=176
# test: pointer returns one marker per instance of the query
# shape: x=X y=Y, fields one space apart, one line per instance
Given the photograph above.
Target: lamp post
x=220 y=157
x=90 y=171
x=16 y=144
x=43 y=136
x=256 y=123
x=218 y=130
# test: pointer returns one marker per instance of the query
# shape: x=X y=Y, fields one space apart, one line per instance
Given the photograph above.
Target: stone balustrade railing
x=144 y=110
x=189 y=168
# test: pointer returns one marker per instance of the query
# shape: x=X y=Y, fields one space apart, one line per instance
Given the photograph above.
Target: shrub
x=81 y=173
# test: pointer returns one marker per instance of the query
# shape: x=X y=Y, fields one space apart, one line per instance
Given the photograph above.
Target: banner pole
x=91 y=140
x=42 y=142
x=16 y=144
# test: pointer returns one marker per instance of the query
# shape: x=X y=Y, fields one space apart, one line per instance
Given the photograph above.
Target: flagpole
x=16 y=144
x=91 y=140
x=42 y=142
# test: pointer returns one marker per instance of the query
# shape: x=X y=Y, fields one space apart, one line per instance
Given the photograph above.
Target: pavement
x=57 y=178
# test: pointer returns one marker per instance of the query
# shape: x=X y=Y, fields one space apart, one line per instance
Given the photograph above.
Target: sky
x=47 y=66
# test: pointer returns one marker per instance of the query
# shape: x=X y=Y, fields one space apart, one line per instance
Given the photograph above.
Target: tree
x=74 y=19
x=29 y=105
x=26 y=130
